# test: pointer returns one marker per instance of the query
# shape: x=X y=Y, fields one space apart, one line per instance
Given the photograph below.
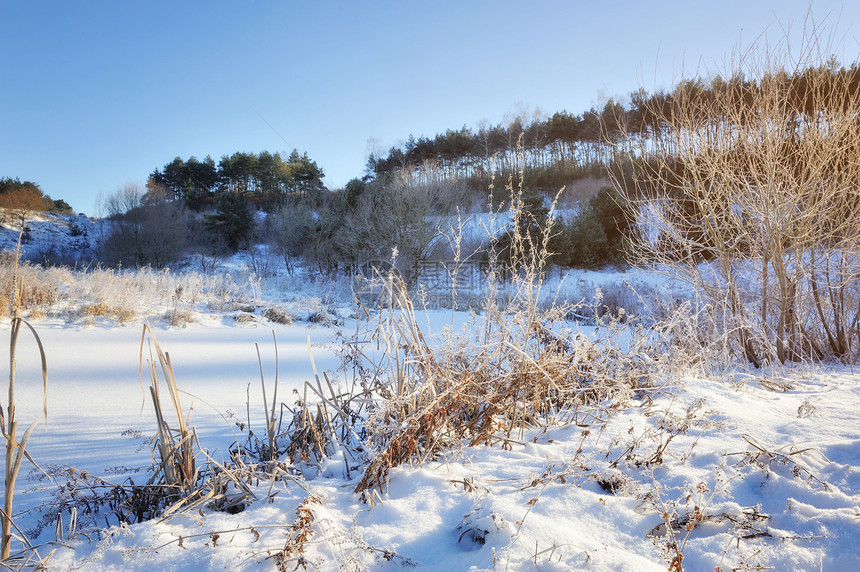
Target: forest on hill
x=557 y=149
x=398 y=202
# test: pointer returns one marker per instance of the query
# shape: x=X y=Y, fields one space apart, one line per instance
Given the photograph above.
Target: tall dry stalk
x=175 y=446
x=748 y=187
x=271 y=452
x=514 y=370
x=15 y=449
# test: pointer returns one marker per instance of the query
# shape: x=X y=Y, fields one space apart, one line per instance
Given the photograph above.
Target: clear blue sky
x=98 y=94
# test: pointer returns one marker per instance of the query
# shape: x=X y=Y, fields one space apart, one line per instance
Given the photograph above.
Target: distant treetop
x=263 y=177
x=27 y=195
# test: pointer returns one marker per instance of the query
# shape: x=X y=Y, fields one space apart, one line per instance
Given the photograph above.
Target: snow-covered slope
x=68 y=236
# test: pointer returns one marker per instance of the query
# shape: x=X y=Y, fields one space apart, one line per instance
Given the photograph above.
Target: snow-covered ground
x=746 y=470
x=773 y=463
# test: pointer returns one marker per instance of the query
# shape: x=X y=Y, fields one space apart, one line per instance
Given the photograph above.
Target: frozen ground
x=771 y=461
x=742 y=471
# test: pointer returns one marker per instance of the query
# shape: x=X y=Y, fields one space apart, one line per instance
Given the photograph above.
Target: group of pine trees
x=564 y=139
x=263 y=178
x=599 y=137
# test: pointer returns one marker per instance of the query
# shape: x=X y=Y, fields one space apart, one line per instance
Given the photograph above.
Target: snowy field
x=742 y=470
x=776 y=469
x=770 y=462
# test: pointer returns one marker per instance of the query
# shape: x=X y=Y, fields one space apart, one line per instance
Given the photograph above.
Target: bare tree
x=290 y=231
x=207 y=248
x=749 y=189
x=153 y=232
x=395 y=214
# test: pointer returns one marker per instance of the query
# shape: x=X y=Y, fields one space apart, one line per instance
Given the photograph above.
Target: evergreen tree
x=232 y=219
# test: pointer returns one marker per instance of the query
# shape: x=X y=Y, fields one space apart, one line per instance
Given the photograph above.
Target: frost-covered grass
x=104 y=296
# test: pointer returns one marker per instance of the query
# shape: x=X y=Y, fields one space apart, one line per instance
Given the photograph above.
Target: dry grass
x=519 y=371
x=279 y=316
x=178 y=317
x=90 y=295
x=298 y=534
x=517 y=366
x=15 y=448
x=32 y=296
x=270 y=451
x=89 y=313
x=175 y=446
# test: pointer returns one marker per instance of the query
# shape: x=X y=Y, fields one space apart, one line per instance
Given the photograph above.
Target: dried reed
x=16 y=449
x=175 y=446
x=415 y=397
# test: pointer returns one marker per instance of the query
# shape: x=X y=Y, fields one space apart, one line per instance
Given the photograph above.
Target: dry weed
x=298 y=534
x=15 y=447
x=279 y=316
x=519 y=367
x=178 y=317
x=518 y=373
x=33 y=295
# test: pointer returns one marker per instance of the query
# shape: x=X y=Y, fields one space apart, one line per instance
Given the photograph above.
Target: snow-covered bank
x=775 y=476
x=742 y=470
x=761 y=466
x=100 y=417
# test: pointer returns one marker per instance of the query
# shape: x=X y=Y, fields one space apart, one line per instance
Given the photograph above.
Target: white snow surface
x=785 y=466
x=770 y=458
x=49 y=232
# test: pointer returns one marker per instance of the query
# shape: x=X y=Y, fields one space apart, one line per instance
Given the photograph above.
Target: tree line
x=465 y=153
x=344 y=229
x=602 y=136
x=261 y=177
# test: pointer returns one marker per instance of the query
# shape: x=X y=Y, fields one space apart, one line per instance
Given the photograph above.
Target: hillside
x=59 y=236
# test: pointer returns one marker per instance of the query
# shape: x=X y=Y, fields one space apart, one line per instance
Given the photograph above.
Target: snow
x=436 y=514
x=462 y=512
x=46 y=232
x=771 y=459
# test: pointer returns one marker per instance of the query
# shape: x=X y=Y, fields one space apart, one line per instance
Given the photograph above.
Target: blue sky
x=95 y=95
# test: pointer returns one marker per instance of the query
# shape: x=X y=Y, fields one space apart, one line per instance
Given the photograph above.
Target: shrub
x=757 y=174
x=524 y=238
x=207 y=248
x=596 y=236
x=279 y=316
x=392 y=213
x=141 y=234
x=178 y=317
x=290 y=230
x=586 y=245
